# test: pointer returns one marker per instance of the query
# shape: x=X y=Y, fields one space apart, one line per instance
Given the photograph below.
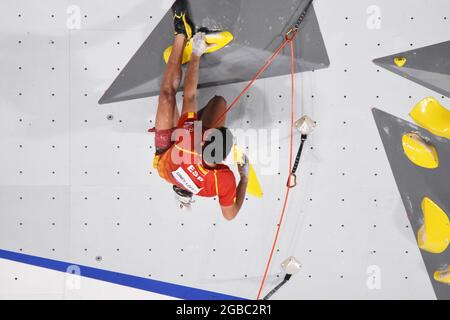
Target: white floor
x=21 y=281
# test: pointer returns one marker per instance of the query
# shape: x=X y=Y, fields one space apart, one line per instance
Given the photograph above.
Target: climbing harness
x=289 y=38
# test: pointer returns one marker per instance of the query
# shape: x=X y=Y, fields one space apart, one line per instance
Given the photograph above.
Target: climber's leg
x=167 y=114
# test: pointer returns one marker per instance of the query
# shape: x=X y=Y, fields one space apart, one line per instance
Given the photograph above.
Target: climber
x=194 y=166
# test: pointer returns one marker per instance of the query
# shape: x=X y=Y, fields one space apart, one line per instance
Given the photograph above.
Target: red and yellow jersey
x=182 y=165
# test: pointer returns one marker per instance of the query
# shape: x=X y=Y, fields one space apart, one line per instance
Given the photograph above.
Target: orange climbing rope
x=289 y=38
x=266 y=65
x=288 y=189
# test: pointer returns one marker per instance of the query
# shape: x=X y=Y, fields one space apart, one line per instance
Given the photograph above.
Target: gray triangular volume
x=257 y=26
x=414 y=183
x=427 y=66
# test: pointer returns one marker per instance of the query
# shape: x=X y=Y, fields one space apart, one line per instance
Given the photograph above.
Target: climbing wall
x=77 y=184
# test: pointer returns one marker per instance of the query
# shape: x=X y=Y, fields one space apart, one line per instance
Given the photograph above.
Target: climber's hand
x=199 y=45
x=244 y=167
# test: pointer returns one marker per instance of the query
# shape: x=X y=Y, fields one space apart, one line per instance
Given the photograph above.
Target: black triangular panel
x=257 y=25
x=427 y=66
x=415 y=183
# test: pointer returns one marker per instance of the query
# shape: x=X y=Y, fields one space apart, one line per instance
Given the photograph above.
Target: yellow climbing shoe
x=253 y=187
x=443 y=276
x=400 y=61
x=181 y=22
x=434 y=235
x=419 y=152
x=434 y=117
x=215 y=40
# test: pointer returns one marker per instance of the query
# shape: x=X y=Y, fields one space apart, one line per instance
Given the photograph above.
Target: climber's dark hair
x=218 y=143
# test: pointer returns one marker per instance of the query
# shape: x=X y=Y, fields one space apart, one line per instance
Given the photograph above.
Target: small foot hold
x=400 y=61
x=215 y=40
x=419 y=152
x=434 y=235
x=433 y=116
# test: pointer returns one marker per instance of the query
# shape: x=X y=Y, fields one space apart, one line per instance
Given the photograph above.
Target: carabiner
x=290 y=35
x=289 y=183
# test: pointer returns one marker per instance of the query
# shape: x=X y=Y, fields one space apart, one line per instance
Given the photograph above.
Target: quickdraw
x=292 y=184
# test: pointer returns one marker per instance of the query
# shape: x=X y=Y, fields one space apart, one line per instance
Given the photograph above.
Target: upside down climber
x=192 y=146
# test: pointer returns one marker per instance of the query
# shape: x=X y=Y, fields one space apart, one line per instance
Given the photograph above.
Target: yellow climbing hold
x=419 y=152
x=215 y=40
x=400 y=61
x=434 y=117
x=443 y=276
x=434 y=235
x=253 y=187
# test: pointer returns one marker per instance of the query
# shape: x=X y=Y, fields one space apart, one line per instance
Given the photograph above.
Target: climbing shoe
x=181 y=21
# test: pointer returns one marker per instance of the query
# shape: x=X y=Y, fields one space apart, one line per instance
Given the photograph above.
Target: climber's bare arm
x=199 y=46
